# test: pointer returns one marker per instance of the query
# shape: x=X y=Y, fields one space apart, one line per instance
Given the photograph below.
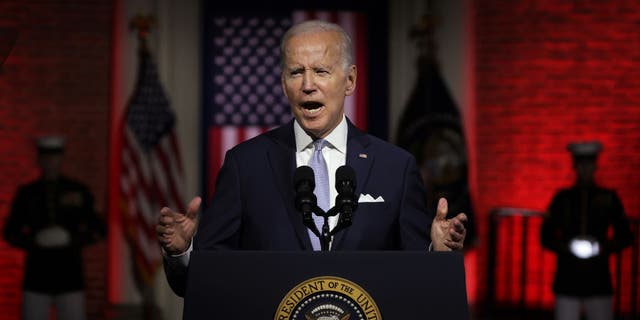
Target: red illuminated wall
x=56 y=80
x=547 y=73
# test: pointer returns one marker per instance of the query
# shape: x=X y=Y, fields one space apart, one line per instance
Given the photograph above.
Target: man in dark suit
x=253 y=207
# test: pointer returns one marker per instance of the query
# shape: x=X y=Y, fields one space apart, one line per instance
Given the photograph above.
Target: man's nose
x=308 y=84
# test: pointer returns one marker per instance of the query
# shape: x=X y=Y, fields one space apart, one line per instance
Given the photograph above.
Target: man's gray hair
x=314 y=26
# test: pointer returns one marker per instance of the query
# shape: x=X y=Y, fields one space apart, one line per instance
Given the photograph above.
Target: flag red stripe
x=171 y=183
x=141 y=186
x=134 y=168
x=135 y=226
x=138 y=187
x=216 y=149
x=131 y=200
x=131 y=224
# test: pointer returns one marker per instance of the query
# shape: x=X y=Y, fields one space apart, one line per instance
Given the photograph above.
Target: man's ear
x=352 y=74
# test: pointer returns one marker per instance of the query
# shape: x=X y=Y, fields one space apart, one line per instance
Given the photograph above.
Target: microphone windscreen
x=345 y=173
x=304 y=174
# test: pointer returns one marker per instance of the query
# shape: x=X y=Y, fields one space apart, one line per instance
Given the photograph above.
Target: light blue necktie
x=321 y=191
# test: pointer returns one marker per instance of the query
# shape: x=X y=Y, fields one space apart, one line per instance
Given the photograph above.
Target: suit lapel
x=361 y=160
x=283 y=163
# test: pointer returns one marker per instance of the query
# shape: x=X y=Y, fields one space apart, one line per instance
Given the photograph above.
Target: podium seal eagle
x=327 y=298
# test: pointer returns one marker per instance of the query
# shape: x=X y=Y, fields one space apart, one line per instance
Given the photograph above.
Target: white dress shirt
x=335 y=155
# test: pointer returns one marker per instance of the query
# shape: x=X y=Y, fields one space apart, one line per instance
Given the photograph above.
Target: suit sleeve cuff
x=180 y=259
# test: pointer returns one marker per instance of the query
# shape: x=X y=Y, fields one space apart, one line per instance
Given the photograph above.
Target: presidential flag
x=243 y=96
x=432 y=130
x=151 y=175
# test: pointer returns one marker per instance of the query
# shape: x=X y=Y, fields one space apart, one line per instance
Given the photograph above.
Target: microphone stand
x=325 y=239
x=326 y=234
x=305 y=202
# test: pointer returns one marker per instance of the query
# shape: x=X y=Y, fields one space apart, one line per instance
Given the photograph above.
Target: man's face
x=585 y=170
x=50 y=164
x=315 y=81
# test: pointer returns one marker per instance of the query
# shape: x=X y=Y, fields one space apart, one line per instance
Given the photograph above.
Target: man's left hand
x=447 y=234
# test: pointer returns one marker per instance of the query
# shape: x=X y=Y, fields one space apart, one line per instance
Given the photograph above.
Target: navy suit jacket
x=253 y=205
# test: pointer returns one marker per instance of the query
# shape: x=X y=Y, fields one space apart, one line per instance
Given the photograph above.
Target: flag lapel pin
x=363 y=155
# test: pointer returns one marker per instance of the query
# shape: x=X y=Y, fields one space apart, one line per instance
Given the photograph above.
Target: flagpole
x=115 y=276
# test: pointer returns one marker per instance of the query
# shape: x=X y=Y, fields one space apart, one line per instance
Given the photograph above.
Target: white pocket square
x=368 y=198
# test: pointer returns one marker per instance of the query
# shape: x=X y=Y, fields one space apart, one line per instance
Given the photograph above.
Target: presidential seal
x=327 y=298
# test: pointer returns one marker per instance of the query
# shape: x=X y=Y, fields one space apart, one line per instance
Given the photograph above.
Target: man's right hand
x=175 y=230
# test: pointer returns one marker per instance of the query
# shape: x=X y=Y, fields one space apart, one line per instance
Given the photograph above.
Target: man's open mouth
x=312 y=106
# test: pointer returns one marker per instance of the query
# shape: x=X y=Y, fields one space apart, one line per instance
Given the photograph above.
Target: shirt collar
x=337 y=138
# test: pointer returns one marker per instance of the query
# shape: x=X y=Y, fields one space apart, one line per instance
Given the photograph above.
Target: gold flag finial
x=423 y=33
x=142 y=24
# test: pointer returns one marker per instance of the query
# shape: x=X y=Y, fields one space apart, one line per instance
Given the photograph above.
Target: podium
x=264 y=284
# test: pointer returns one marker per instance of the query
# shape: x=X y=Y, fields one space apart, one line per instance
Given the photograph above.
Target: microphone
x=304 y=183
x=346 y=187
x=305 y=200
x=346 y=201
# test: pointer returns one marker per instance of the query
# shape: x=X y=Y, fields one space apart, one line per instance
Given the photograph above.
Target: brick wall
x=547 y=72
x=56 y=80
x=550 y=72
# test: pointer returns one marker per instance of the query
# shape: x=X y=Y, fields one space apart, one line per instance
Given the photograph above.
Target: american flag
x=243 y=95
x=152 y=175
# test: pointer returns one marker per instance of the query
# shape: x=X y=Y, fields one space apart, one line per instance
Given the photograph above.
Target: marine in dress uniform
x=51 y=219
x=576 y=230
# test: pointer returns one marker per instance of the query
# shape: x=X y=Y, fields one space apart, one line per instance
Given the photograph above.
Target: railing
x=520 y=271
